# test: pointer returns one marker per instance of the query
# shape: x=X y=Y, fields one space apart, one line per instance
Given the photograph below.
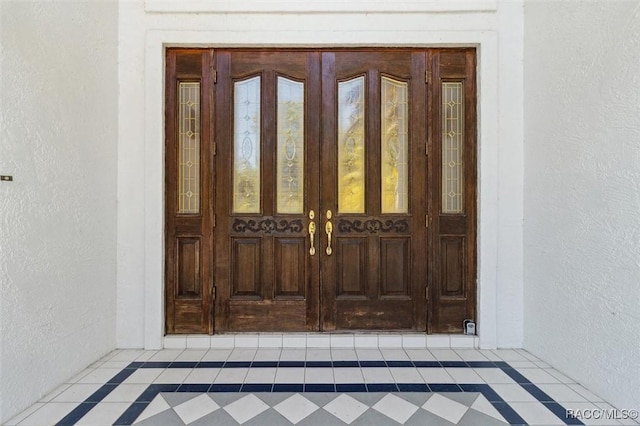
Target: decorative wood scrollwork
x=267 y=225
x=373 y=226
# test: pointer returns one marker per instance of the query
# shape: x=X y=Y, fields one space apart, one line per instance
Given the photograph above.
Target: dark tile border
x=138 y=406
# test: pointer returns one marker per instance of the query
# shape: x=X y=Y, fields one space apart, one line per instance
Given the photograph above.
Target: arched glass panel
x=246 y=146
x=351 y=149
x=394 y=141
x=290 y=163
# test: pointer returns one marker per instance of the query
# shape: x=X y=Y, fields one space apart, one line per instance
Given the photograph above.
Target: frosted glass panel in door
x=188 y=148
x=246 y=146
x=394 y=140
x=290 y=162
x=351 y=149
x=452 y=148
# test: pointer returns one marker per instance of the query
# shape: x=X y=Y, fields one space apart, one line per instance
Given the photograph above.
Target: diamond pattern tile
x=446 y=408
x=157 y=405
x=316 y=386
x=395 y=408
x=196 y=408
x=475 y=418
x=482 y=405
x=296 y=408
x=346 y=408
x=246 y=408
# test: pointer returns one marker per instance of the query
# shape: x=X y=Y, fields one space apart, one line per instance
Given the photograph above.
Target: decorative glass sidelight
x=351 y=149
x=246 y=146
x=452 y=147
x=188 y=148
x=394 y=113
x=290 y=162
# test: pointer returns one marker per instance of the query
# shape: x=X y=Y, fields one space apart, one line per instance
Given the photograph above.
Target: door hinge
x=427 y=72
x=215 y=148
x=214 y=220
x=214 y=74
x=211 y=302
x=426 y=292
x=426 y=220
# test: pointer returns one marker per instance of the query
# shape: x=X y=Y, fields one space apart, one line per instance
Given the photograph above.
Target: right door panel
x=373 y=183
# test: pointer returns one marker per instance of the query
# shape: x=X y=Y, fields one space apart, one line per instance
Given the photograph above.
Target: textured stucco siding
x=582 y=192
x=58 y=217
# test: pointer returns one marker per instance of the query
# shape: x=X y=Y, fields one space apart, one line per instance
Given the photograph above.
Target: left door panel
x=267 y=131
x=189 y=182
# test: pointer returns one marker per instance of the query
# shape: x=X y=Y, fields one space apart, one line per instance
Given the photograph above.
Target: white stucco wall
x=582 y=192
x=58 y=216
x=495 y=27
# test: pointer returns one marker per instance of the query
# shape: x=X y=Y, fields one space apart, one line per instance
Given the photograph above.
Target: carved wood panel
x=452 y=266
x=290 y=258
x=395 y=278
x=246 y=268
x=188 y=261
x=352 y=272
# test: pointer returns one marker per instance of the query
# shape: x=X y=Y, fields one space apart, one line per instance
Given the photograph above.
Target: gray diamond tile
x=217 y=418
x=367 y=398
x=422 y=418
x=417 y=398
x=321 y=398
x=320 y=418
x=225 y=398
x=374 y=418
x=274 y=398
x=166 y=418
x=267 y=418
x=464 y=398
x=177 y=398
x=474 y=418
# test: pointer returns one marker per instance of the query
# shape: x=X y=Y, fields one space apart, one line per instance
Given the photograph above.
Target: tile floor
x=318 y=386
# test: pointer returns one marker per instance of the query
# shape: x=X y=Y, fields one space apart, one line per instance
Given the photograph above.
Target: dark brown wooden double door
x=316 y=197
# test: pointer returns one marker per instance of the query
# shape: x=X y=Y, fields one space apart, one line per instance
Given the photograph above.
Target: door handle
x=312 y=232
x=328 y=227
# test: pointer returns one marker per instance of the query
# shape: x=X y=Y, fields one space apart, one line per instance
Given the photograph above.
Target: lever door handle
x=312 y=232
x=328 y=227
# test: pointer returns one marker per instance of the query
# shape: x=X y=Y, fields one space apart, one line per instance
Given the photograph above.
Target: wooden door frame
x=475 y=248
x=141 y=257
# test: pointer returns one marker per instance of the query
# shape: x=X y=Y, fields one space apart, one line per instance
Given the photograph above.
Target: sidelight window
x=452 y=148
x=189 y=148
